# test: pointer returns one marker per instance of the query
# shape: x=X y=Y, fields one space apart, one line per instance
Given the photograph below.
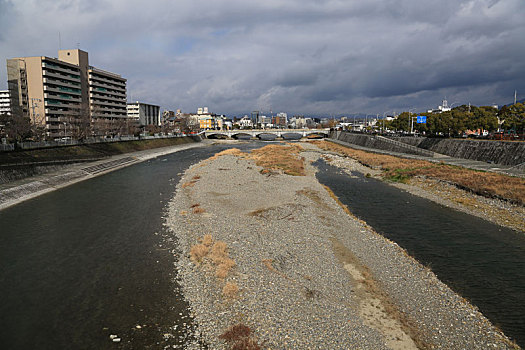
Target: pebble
x=282 y=307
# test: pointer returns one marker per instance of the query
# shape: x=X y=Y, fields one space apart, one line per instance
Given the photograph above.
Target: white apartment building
x=5 y=105
x=144 y=113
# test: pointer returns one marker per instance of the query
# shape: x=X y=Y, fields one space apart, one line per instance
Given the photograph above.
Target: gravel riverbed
x=307 y=274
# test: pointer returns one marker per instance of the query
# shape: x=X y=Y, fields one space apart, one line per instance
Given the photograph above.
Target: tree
x=513 y=118
x=15 y=128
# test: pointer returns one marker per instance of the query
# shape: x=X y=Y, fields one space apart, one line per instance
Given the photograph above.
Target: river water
x=91 y=260
x=483 y=262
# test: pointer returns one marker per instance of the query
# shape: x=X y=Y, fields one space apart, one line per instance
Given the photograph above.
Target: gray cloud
x=299 y=56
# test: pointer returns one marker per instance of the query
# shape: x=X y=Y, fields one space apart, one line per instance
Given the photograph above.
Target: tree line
x=510 y=119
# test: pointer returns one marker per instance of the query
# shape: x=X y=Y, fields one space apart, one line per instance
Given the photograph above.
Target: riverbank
x=271 y=260
x=18 y=191
x=502 y=202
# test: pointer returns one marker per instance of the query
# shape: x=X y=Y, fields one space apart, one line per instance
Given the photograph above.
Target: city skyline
x=300 y=57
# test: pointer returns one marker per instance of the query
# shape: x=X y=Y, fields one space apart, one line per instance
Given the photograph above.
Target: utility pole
x=515 y=95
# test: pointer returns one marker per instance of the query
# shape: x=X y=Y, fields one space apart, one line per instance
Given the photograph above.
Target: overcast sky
x=311 y=57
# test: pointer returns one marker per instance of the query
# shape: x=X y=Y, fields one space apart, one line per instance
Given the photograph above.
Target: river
x=91 y=260
x=483 y=262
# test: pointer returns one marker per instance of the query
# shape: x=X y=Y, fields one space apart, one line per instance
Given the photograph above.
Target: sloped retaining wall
x=499 y=152
x=378 y=142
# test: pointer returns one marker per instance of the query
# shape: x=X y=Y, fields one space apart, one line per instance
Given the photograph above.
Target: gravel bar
x=309 y=274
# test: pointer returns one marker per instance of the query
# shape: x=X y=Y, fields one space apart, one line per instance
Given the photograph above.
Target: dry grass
x=188 y=184
x=207 y=240
x=231 y=151
x=399 y=169
x=198 y=252
x=197 y=209
x=217 y=255
x=239 y=337
x=230 y=290
x=192 y=182
x=274 y=158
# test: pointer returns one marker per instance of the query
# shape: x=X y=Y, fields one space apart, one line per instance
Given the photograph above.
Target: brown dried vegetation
x=230 y=290
x=279 y=158
x=239 y=337
x=197 y=209
x=215 y=252
x=399 y=169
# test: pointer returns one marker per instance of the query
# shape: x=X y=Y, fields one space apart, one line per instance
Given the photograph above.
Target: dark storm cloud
x=298 y=56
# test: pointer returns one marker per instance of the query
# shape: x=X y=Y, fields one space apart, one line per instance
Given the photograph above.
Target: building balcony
x=107 y=80
x=64 y=97
x=118 y=104
x=97 y=86
x=62 y=90
x=97 y=97
x=68 y=77
x=63 y=83
x=60 y=68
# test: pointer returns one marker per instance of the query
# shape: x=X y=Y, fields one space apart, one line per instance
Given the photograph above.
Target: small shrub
x=219 y=252
x=224 y=267
x=198 y=252
x=236 y=332
x=198 y=210
x=239 y=338
x=230 y=290
x=207 y=240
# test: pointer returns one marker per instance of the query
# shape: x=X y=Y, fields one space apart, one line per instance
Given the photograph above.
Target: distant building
x=144 y=113
x=57 y=92
x=443 y=108
x=254 y=117
x=280 y=120
x=5 y=107
x=245 y=122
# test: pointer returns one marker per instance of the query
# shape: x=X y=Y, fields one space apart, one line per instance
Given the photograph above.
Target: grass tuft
x=198 y=252
x=230 y=290
x=239 y=337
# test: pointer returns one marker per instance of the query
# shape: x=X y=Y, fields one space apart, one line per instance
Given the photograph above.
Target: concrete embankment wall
x=499 y=152
x=378 y=142
x=17 y=165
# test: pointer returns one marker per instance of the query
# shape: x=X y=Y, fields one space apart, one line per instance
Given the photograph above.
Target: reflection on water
x=482 y=261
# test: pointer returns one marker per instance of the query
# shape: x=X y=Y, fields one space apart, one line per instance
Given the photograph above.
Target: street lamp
x=384 y=119
x=410 y=118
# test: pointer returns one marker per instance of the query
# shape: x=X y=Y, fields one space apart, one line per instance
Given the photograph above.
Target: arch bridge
x=287 y=134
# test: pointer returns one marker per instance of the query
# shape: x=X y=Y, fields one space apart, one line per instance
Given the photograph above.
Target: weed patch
x=216 y=253
x=230 y=290
x=486 y=184
x=239 y=337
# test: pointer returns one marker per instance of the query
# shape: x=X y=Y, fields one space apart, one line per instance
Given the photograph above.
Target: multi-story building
x=5 y=107
x=144 y=113
x=206 y=122
x=46 y=90
x=58 y=93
